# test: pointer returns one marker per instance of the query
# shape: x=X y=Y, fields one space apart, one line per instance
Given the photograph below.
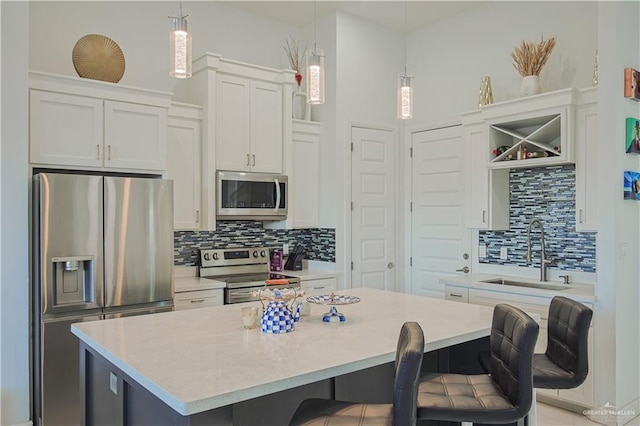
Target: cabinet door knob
x=98 y=146
x=108 y=152
x=464 y=269
x=197 y=216
x=484 y=216
x=390 y=265
x=580 y=215
x=248 y=162
x=254 y=160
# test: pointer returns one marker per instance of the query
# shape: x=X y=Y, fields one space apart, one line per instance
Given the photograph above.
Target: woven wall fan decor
x=99 y=58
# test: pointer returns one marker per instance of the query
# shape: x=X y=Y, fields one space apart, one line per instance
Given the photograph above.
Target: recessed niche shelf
x=529 y=141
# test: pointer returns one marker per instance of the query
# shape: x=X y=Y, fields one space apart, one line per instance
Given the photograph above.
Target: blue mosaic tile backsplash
x=547 y=193
x=319 y=243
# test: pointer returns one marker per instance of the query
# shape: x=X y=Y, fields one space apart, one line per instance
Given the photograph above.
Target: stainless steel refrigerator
x=102 y=248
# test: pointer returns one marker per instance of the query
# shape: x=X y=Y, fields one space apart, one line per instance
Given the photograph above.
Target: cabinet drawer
x=198 y=299
x=321 y=286
x=458 y=294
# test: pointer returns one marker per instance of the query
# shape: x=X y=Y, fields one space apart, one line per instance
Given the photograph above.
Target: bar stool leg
x=532 y=417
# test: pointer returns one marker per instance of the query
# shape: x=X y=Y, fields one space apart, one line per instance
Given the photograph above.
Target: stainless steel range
x=244 y=270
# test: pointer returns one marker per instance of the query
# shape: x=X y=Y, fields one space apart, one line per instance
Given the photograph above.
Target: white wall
x=141 y=29
x=449 y=58
x=14 y=257
x=617 y=290
x=362 y=66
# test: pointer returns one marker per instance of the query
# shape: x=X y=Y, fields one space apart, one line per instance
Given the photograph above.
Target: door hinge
x=411 y=261
x=351 y=146
x=352 y=266
x=411 y=152
x=410 y=206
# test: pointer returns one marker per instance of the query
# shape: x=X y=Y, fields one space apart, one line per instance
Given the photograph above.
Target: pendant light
x=405 y=88
x=315 y=68
x=179 y=47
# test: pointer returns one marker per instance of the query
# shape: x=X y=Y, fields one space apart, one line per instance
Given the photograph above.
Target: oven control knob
x=263 y=253
x=255 y=253
x=207 y=256
x=215 y=256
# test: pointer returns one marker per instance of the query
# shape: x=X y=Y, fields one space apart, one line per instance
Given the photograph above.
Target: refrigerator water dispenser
x=73 y=280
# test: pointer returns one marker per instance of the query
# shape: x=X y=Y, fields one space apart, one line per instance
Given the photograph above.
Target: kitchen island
x=195 y=366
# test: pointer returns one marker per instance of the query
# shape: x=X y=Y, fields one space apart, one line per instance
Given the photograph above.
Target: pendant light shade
x=405 y=97
x=315 y=72
x=179 y=47
x=405 y=87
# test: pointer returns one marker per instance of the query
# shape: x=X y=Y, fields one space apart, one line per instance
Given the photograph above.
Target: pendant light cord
x=405 y=38
x=315 y=25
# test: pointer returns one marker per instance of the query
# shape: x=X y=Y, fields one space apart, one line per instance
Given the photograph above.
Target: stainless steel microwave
x=257 y=196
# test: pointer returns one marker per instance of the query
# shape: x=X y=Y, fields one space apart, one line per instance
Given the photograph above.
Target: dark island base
x=132 y=404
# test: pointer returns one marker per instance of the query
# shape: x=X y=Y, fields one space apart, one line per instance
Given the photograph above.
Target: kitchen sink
x=543 y=286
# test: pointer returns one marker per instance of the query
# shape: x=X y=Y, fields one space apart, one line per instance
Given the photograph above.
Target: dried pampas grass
x=292 y=49
x=529 y=58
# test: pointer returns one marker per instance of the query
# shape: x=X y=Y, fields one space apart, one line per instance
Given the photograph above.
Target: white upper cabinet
x=96 y=125
x=487 y=190
x=266 y=127
x=134 y=136
x=233 y=123
x=248 y=125
x=305 y=179
x=183 y=164
x=65 y=129
x=587 y=162
x=532 y=131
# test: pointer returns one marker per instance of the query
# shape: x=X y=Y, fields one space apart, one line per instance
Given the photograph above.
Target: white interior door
x=374 y=200
x=440 y=242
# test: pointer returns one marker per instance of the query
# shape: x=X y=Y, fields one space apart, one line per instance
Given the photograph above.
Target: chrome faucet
x=543 y=259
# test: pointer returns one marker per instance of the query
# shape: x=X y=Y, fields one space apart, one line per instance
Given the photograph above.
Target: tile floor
x=549 y=415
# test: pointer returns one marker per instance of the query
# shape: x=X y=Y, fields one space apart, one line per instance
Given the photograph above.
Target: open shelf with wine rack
x=529 y=140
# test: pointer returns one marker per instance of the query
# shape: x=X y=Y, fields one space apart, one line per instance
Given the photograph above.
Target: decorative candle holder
x=486 y=94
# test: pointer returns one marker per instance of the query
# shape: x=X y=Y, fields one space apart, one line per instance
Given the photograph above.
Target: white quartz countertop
x=578 y=291
x=201 y=359
x=314 y=270
x=183 y=284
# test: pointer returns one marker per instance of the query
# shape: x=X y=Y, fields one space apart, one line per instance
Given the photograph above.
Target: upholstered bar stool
x=504 y=396
x=565 y=364
x=402 y=412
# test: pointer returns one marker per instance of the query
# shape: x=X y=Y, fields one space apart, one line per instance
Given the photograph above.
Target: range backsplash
x=319 y=243
x=547 y=193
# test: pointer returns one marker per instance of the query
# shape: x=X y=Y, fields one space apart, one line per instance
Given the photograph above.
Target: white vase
x=530 y=85
x=301 y=109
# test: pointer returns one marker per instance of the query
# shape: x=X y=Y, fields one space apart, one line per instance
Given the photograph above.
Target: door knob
x=465 y=270
x=390 y=265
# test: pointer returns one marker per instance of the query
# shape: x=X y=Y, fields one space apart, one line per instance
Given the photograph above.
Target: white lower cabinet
x=458 y=294
x=319 y=286
x=583 y=394
x=198 y=299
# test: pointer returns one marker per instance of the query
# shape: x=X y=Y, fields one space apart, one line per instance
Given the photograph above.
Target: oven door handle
x=239 y=296
x=277 y=194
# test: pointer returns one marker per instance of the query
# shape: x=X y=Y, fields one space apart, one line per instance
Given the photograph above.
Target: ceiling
x=390 y=14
